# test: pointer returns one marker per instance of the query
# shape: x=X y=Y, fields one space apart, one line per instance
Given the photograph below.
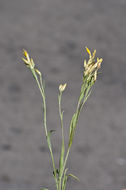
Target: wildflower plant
x=90 y=73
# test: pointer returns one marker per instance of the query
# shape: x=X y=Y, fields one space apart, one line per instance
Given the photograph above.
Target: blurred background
x=55 y=33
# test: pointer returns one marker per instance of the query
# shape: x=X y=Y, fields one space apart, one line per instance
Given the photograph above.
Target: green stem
x=45 y=123
x=66 y=158
x=61 y=161
x=81 y=102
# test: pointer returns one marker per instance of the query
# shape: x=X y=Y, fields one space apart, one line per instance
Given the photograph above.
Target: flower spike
x=91 y=66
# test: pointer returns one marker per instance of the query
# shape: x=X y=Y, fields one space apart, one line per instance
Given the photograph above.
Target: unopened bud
x=38 y=72
x=88 y=51
x=95 y=76
x=62 y=87
x=26 y=55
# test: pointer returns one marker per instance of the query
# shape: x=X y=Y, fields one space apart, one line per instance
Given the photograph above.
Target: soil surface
x=55 y=32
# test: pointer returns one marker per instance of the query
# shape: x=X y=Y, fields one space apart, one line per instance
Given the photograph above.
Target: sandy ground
x=55 y=33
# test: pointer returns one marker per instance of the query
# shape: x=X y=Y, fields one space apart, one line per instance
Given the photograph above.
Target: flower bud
x=62 y=87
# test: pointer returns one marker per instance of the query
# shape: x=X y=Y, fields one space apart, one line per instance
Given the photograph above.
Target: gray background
x=55 y=33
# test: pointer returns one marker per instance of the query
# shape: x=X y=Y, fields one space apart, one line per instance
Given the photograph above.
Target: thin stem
x=61 y=119
x=65 y=161
x=44 y=103
x=45 y=123
x=61 y=161
x=80 y=104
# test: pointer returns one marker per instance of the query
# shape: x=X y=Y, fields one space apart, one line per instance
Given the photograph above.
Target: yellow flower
x=62 y=87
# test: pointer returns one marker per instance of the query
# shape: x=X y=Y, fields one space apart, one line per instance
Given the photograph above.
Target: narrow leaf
x=49 y=142
x=48 y=138
x=73 y=176
x=72 y=129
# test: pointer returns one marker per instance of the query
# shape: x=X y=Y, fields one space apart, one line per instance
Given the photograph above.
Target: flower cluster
x=27 y=60
x=91 y=66
x=30 y=63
